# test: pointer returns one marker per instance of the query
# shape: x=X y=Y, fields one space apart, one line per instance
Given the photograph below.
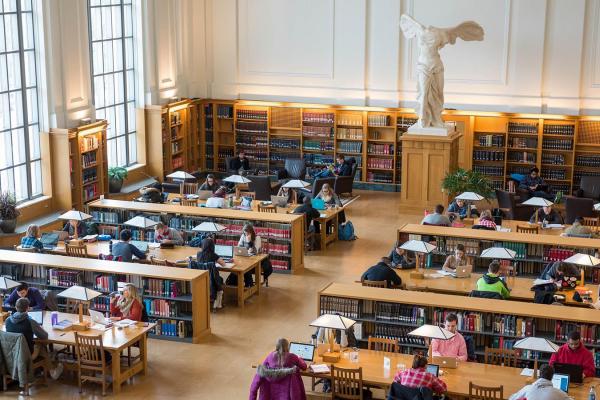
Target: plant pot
x=8 y=225
x=115 y=185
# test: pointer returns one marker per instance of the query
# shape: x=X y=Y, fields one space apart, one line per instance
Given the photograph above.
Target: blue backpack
x=346 y=231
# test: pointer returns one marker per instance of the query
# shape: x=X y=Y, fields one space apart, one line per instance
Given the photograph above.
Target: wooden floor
x=221 y=367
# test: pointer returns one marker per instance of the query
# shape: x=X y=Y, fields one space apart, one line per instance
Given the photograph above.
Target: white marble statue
x=430 y=69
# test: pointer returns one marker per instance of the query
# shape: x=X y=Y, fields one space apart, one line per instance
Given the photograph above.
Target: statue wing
x=409 y=26
x=468 y=31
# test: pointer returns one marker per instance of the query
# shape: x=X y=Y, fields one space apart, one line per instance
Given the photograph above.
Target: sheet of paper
x=322 y=215
x=154 y=245
x=100 y=327
x=441 y=272
x=436 y=275
x=554 y=226
x=501 y=229
x=229 y=265
x=528 y=372
x=387 y=363
x=320 y=368
x=125 y=322
x=542 y=281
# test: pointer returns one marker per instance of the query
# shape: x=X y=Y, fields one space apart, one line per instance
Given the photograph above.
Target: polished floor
x=221 y=367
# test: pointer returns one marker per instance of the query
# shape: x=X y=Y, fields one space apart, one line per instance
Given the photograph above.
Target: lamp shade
x=433 y=332
x=181 y=175
x=141 y=222
x=536 y=344
x=418 y=246
x=537 y=202
x=584 y=260
x=469 y=196
x=498 y=253
x=209 y=227
x=79 y=293
x=597 y=206
x=296 y=184
x=75 y=215
x=7 y=283
x=332 y=321
x=237 y=179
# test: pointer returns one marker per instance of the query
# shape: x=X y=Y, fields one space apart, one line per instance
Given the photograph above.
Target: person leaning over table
x=162 y=233
x=278 y=377
x=126 y=250
x=574 y=352
x=127 y=306
x=461 y=208
x=577 y=229
x=30 y=240
x=436 y=218
x=491 y=282
x=541 y=389
x=399 y=258
x=33 y=295
x=382 y=271
x=458 y=259
x=217 y=200
x=454 y=347
x=418 y=377
x=73 y=226
x=210 y=183
x=486 y=219
x=548 y=214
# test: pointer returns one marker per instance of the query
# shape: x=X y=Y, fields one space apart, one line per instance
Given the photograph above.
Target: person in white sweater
x=541 y=389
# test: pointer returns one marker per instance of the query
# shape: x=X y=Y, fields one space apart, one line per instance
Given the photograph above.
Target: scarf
x=124 y=305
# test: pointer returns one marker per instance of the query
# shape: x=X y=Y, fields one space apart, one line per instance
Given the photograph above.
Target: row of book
x=171 y=327
x=264 y=230
x=316 y=117
x=88 y=159
x=175 y=147
x=380 y=177
x=587 y=161
x=557 y=144
x=335 y=305
x=380 y=163
x=522 y=157
x=252 y=114
x=486 y=155
x=88 y=143
x=578 y=174
x=380 y=149
x=554 y=188
x=448 y=245
x=166 y=308
x=523 y=127
x=285 y=143
x=379 y=120
x=175 y=117
x=89 y=175
x=64 y=278
x=491 y=140
x=555 y=254
x=567 y=130
x=224 y=111
x=165 y=287
x=554 y=174
x=350 y=119
x=318 y=159
x=350 y=147
x=405 y=122
x=589 y=333
x=400 y=312
x=224 y=153
x=489 y=170
x=177 y=162
x=350 y=133
x=279 y=264
x=251 y=128
x=522 y=143
x=321 y=131
x=101 y=303
x=253 y=153
x=321 y=145
x=281 y=157
x=106 y=283
x=90 y=192
x=554 y=159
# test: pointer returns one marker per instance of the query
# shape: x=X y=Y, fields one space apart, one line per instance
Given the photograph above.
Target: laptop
x=575 y=371
x=49 y=240
x=279 y=201
x=446 y=362
x=463 y=271
x=225 y=252
x=99 y=318
x=241 y=251
x=433 y=369
x=62 y=235
x=37 y=316
x=318 y=204
x=303 y=350
x=204 y=194
x=561 y=382
x=141 y=246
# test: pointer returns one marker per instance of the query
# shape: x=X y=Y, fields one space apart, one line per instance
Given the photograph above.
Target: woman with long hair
x=278 y=377
x=248 y=239
x=126 y=306
x=207 y=253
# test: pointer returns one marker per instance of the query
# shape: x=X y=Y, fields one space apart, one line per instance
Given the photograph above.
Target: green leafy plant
x=8 y=206
x=462 y=180
x=117 y=173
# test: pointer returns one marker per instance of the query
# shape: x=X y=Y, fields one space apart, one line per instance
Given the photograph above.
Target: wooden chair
x=76 y=250
x=248 y=194
x=25 y=250
x=377 y=284
x=91 y=359
x=528 y=229
x=381 y=344
x=503 y=357
x=189 y=202
x=477 y=392
x=39 y=362
x=190 y=188
x=109 y=230
x=346 y=383
x=267 y=209
x=159 y=261
x=591 y=222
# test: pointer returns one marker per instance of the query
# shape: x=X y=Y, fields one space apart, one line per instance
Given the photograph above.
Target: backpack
x=346 y=231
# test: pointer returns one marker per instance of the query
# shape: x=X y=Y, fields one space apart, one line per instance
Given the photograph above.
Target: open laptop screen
x=224 y=251
x=303 y=350
x=561 y=382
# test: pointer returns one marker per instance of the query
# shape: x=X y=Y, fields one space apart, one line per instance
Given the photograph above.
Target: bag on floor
x=346 y=231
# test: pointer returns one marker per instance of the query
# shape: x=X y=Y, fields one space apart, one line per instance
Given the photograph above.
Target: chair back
x=528 y=229
x=113 y=231
x=346 y=383
x=379 y=284
x=477 y=392
x=90 y=350
x=318 y=184
x=502 y=357
x=382 y=344
x=295 y=167
x=109 y=257
x=189 y=188
x=590 y=186
x=26 y=250
x=267 y=209
x=168 y=187
x=159 y=261
x=261 y=186
x=76 y=250
x=485 y=294
x=591 y=222
x=189 y=202
x=578 y=207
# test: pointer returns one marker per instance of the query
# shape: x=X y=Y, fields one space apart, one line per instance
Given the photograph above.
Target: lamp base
x=331 y=357
x=80 y=326
x=417 y=275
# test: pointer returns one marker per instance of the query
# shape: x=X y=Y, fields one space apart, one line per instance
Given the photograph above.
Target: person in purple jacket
x=36 y=300
x=278 y=377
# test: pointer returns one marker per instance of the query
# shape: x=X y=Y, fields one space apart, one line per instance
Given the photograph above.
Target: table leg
x=240 y=289
x=257 y=273
x=323 y=236
x=144 y=353
x=116 y=370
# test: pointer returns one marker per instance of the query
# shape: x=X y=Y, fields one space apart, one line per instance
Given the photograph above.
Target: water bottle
x=592 y=394
x=54 y=318
x=110 y=247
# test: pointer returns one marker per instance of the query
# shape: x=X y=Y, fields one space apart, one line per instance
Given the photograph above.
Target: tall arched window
x=111 y=26
x=20 y=160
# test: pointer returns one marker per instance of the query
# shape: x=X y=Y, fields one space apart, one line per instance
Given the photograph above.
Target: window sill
x=33 y=202
x=135 y=167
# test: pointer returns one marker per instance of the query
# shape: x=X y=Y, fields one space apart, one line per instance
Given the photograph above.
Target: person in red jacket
x=126 y=306
x=574 y=352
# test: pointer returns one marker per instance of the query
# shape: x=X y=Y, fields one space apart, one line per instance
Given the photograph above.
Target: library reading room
x=300 y=199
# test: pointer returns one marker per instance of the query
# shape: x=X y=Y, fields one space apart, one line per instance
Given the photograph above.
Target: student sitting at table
x=460 y=208
x=73 y=226
x=457 y=259
x=455 y=347
x=577 y=229
x=557 y=271
x=286 y=192
x=20 y=322
x=126 y=250
x=210 y=183
x=33 y=295
x=399 y=258
x=418 y=377
x=30 y=240
x=436 y=218
x=151 y=194
x=574 y=352
x=491 y=282
x=127 y=306
x=331 y=199
x=217 y=200
x=382 y=271
x=311 y=214
x=541 y=389
x=207 y=253
x=547 y=214
x=486 y=220
x=250 y=241
x=278 y=377
x=162 y=233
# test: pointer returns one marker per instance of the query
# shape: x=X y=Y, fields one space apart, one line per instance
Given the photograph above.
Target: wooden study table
x=114 y=341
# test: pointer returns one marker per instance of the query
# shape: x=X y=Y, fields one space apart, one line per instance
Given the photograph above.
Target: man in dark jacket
x=343 y=167
x=240 y=162
x=36 y=300
x=382 y=271
x=20 y=322
x=535 y=185
x=310 y=212
x=399 y=258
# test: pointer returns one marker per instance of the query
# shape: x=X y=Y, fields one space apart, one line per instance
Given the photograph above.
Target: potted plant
x=116 y=175
x=462 y=180
x=8 y=212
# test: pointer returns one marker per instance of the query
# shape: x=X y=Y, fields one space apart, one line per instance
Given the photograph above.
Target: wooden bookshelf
x=493 y=323
x=223 y=133
x=196 y=144
x=189 y=304
x=282 y=234
x=176 y=136
x=252 y=135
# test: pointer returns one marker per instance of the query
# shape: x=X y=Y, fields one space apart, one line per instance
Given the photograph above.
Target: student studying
x=399 y=258
x=31 y=238
x=575 y=352
x=125 y=249
x=33 y=295
x=455 y=347
x=458 y=259
x=164 y=234
x=127 y=306
x=382 y=271
x=418 y=377
x=491 y=282
x=437 y=218
x=542 y=388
